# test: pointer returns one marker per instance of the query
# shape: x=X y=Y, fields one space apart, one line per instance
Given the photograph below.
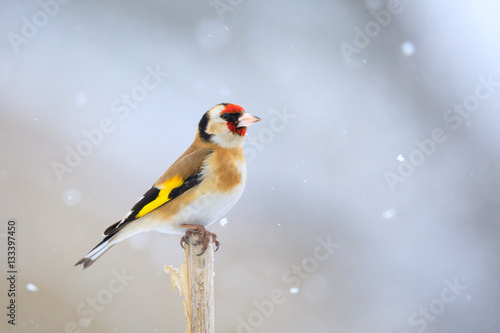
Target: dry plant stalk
x=195 y=280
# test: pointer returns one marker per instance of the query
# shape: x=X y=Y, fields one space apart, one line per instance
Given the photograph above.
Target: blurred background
x=372 y=198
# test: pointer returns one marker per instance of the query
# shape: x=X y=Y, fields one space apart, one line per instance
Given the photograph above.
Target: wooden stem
x=195 y=280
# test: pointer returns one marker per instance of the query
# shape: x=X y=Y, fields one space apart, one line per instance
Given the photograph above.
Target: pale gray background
x=321 y=175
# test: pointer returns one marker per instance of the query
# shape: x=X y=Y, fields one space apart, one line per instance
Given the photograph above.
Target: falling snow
x=389 y=214
x=81 y=99
x=408 y=48
x=32 y=287
x=71 y=197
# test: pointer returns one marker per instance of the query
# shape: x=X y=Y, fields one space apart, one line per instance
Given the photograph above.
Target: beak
x=247 y=119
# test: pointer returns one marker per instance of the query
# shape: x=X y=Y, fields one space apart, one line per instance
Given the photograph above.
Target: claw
x=185 y=238
x=216 y=242
x=205 y=237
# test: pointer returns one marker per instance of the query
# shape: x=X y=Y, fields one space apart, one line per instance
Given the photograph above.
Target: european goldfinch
x=197 y=190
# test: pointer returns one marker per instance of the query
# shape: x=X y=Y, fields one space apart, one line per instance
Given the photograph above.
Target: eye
x=231 y=117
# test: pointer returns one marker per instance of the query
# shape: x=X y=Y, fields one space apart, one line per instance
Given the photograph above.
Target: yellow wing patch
x=162 y=197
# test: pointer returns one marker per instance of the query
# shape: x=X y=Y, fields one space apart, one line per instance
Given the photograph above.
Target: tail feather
x=96 y=252
x=113 y=235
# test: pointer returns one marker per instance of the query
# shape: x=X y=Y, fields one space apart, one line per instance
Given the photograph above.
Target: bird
x=200 y=187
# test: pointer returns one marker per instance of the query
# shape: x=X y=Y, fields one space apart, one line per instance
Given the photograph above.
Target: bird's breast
x=225 y=170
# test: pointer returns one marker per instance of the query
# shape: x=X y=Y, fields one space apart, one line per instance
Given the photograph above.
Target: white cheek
x=228 y=140
x=216 y=126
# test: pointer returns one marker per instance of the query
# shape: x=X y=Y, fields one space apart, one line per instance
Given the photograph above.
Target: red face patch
x=234 y=129
x=241 y=131
x=232 y=108
x=231 y=113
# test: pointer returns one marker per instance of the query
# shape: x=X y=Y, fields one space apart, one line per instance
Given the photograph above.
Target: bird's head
x=225 y=125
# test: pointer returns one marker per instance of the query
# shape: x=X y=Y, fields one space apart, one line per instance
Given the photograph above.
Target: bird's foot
x=205 y=237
